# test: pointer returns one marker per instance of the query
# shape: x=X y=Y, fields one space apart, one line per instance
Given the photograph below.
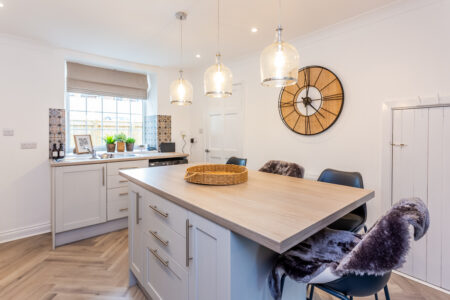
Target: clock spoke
x=319 y=122
x=328 y=84
x=289 y=113
x=288 y=92
x=286 y=104
x=328 y=111
x=317 y=79
x=317 y=111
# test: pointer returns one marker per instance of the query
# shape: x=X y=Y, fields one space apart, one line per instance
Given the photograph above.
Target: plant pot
x=111 y=147
x=130 y=147
x=120 y=146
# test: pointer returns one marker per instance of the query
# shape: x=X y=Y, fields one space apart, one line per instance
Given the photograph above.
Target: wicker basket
x=216 y=174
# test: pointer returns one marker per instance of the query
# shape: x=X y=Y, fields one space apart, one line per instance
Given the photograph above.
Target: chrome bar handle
x=155 y=234
x=137 y=208
x=123 y=209
x=188 y=256
x=123 y=194
x=155 y=253
x=103 y=176
x=155 y=208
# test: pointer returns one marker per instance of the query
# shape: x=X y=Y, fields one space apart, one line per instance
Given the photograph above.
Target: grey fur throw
x=379 y=251
x=283 y=168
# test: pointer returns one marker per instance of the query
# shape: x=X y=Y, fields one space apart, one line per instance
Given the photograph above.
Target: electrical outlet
x=8 y=132
x=28 y=145
x=193 y=140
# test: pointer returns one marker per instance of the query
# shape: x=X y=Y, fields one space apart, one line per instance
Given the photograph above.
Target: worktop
x=85 y=159
x=272 y=210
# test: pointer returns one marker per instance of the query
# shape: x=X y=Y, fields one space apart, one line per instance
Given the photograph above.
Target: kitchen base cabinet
x=218 y=264
x=80 y=194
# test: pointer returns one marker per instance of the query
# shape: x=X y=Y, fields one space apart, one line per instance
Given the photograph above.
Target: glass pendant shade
x=279 y=63
x=218 y=80
x=181 y=91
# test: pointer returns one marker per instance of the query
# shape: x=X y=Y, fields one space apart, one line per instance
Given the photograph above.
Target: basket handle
x=189 y=176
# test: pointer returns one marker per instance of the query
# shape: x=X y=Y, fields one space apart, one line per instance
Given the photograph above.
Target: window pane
x=94 y=120
x=77 y=118
x=123 y=106
x=109 y=104
x=136 y=132
x=124 y=123
x=136 y=106
x=109 y=123
x=96 y=136
x=77 y=102
x=94 y=104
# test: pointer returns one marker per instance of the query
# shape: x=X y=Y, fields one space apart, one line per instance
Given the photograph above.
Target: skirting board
x=421 y=282
x=23 y=232
x=71 y=236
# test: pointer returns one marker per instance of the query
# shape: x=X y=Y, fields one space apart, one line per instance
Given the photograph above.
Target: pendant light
x=279 y=61
x=181 y=91
x=218 y=79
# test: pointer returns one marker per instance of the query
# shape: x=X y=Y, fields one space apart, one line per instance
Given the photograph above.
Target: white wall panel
x=446 y=202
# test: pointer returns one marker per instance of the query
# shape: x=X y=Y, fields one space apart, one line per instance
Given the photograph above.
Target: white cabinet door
x=135 y=235
x=209 y=269
x=80 y=196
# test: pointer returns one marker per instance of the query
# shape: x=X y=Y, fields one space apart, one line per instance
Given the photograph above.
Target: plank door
x=410 y=174
x=225 y=128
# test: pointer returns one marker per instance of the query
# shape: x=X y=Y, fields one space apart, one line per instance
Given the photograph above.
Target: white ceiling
x=146 y=31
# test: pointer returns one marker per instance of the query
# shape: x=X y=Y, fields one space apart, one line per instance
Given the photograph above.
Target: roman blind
x=105 y=82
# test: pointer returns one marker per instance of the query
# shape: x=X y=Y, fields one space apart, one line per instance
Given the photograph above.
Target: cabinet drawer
x=115 y=168
x=117 y=205
x=167 y=239
x=164 y=278
x=166 y=212
x=116 y=181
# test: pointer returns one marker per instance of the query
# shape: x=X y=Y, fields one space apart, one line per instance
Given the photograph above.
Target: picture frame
x=81 y=142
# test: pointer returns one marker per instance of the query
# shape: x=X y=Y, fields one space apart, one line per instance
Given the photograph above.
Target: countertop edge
x=54 y=164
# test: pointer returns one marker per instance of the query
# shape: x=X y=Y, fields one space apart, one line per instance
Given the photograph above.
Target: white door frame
x=386 y=148
x=242 y=120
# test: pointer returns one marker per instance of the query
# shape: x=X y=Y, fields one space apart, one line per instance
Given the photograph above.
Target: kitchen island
x=190 y=241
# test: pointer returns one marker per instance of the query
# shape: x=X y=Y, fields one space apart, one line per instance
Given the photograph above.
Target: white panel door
x=224 y=136
x=410 y=152
x=435 y=195
x=209 y=269
x=80 y=196
x=446 y=202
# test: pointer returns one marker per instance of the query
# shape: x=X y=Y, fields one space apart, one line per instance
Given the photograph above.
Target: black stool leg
x=311 y=293
x=365 y=228
x=386 y=293
x=376 y=296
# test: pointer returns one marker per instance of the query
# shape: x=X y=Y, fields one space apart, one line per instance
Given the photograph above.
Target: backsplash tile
x=57 y=128
x=157 y=129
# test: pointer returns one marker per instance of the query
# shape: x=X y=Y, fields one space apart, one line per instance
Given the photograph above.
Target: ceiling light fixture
x=254 y=29
x=197 y=55
x=279 y=61
x=181 y=91
x=218 y=79
x=1 y=5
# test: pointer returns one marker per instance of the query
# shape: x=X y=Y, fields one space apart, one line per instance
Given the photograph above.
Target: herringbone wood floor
x=97 y=268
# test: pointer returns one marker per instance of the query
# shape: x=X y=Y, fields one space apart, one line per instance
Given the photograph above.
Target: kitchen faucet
x=92 y=151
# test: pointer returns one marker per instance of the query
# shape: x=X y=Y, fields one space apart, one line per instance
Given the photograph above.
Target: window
x=100 y=116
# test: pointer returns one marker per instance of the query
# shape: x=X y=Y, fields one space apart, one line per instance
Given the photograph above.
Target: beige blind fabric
x=105 y=82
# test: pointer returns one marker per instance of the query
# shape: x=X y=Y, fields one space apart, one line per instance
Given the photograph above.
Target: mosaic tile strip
x=57 y=128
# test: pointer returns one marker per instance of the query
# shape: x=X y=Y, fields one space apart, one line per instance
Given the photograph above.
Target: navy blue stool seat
x=237 y=161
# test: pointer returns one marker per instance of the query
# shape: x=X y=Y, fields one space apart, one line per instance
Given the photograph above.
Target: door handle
x=155 y=208
x=103 y=176
x=188 y=255
x=156 y=235
x=137 y=209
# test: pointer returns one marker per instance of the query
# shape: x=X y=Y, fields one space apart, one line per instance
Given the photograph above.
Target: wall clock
x=314 y=104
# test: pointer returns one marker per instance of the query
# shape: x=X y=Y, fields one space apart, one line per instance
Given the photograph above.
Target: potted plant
x=120 y=139
x=130 y=144
x=110 y=143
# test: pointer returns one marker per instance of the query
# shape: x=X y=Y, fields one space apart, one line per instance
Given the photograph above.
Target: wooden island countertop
x=275 y=211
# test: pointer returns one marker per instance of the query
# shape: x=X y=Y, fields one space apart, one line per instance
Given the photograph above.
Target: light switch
x=28 y=146
x=8 y=132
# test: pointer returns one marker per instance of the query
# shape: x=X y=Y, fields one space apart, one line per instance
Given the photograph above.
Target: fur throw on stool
x=379 y=251
x=283 y=168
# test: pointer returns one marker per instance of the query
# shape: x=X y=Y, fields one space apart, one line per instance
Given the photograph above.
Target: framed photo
x=83 y=143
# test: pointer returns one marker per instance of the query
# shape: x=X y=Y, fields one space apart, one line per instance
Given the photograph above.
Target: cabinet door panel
x=209 y=270
x=80 y=194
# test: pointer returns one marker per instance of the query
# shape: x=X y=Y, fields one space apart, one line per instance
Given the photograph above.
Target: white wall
x=398 y=51
x=32 y=81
